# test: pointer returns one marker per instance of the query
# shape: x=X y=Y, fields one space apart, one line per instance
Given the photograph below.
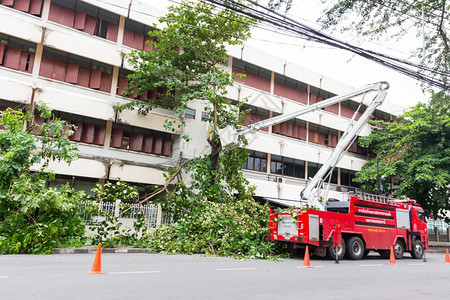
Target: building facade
x=71 y=54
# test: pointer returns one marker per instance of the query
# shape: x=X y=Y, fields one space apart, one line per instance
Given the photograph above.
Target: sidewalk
x=438 y=247
x=93 y=250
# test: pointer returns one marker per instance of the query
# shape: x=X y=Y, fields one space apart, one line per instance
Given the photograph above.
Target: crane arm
x=230 y=136
x=311 y=191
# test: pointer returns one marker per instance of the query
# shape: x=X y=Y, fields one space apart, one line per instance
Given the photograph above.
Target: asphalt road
x=152 y=276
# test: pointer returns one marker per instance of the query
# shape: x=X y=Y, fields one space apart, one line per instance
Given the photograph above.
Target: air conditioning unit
x=280 y=180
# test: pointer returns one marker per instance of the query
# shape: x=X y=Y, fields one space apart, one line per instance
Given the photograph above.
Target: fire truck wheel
x=355 y=248
x=398 y=249
x=331 y=251
x=417 y=250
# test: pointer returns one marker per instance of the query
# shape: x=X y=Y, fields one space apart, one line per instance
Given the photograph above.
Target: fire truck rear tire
x=417 y=250
x=355 y=248
x=341 y=251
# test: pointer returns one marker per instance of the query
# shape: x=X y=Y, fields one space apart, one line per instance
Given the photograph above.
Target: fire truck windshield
x=421 y=216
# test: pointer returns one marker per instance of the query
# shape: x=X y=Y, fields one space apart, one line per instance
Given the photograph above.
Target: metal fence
x=152 y=213
x=438 y=230
x=439 y=225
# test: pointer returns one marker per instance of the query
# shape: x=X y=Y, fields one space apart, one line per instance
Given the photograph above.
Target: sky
x=342 y=65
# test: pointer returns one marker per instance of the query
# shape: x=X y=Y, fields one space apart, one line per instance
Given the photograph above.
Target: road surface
x=155 y=276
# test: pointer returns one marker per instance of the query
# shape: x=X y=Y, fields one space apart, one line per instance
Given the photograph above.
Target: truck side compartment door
x=403 y=221
x=313 y=227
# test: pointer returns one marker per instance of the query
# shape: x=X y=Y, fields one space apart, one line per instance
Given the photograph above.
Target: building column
x=108 y=134
x=308 y=91
x=121 y=30
x=272 y=82
x=115 y=80
x=307 y=132
x=306 y=170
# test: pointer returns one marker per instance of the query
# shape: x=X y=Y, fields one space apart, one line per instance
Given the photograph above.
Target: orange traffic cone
x=97 y=266
x=392 y=257
x=306 y=263
x=447 y=258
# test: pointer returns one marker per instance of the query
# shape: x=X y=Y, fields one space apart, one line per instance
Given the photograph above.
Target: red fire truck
x=355 y=227
x=336 y=228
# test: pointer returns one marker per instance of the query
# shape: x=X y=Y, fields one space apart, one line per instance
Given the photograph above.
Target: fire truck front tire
x=399 y=249
x=355 y=248
x=417 y=250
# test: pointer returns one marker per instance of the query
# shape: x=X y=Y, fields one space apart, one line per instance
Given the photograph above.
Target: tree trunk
x=214 y=142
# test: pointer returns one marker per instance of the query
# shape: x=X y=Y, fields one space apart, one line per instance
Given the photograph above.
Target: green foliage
x=236 y=229
x=34 y=217
x=110 y=191
x=109 y=231
x=416 y=149
x=396 y=18
x=185 y=62
x=285 y=5
x=211 y=218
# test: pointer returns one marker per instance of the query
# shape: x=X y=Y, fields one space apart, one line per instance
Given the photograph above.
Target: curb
x=93 y=250
x=433 y=248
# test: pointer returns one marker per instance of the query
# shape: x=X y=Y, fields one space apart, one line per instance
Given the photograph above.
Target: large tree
x=415 y=149
x=390 y=18
x=214 y=211
x=34 y=217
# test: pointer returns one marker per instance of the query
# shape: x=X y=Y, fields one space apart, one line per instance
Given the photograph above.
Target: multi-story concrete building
x=71 y=54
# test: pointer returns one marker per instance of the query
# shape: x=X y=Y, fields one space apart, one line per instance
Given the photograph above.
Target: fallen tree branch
x=162 y=189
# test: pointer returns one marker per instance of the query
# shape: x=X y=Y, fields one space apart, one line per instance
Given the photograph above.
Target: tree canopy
x=416 y=149
x=395 y=19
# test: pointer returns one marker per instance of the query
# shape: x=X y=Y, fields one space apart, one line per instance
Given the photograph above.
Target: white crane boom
x=230 y=137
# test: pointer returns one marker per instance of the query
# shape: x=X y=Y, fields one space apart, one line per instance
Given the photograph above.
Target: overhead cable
x=269 y=16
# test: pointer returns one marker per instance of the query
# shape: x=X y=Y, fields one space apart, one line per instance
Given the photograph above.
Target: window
x=291 y=82
x=380 y=115
x=16 y=54
x=154 y=94
x=75 y=69
x=347 y=177
x=136 y=35
x=189 y=113
x=205 y=117
x=421 y=215
x=313 y=168
x=126 y=140
x=321 y=93
x=257 y=161
x=141 y=140
x=251 y=68
x=85 y=17
x=322 y=135
x=33 y=7
x=334 y=177
x=287 y=166
x=89 y=130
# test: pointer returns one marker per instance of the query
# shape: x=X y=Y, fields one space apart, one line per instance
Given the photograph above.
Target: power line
x=272 y=18
x=269 y=16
